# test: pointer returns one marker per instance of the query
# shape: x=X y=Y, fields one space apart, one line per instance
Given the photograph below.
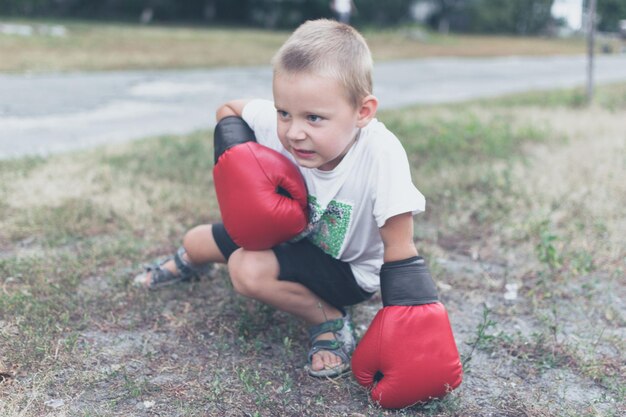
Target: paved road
x=42 y=114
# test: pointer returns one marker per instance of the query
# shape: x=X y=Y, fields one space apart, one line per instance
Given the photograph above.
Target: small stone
x=55 y=403
x=511 y=292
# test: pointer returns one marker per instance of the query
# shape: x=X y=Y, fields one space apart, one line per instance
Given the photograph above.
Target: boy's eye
x=314 y=118
x=282 y=114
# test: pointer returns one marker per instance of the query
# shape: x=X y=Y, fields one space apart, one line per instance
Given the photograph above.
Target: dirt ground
x=535 y=297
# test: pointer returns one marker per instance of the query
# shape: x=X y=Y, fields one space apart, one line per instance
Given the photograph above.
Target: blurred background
x=530 y=17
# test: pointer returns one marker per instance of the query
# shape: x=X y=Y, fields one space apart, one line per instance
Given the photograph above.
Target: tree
x=521 y=17
x=382 y=13
x=446 y=11
x=609 y=13
x=532 y=16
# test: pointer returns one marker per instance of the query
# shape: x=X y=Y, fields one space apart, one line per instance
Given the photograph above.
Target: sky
x=571 y=10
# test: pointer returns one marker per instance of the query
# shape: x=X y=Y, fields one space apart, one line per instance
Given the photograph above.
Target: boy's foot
x=171 y=271
x=332 y=343
x=157 y=276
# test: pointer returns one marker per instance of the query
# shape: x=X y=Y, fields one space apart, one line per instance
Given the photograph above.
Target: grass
x=505 y=206
x=116 y=46
x=572 y=98
x=94 y=46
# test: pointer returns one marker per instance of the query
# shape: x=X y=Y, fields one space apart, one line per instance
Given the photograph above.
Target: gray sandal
x=343 y=345
x=161 y=277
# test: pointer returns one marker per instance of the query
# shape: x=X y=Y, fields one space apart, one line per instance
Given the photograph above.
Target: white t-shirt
x=348 y=204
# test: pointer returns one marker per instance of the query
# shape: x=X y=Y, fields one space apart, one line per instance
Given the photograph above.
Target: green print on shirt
x=329 y=226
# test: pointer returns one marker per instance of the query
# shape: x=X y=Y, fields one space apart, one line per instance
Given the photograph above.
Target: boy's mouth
x=303 y=153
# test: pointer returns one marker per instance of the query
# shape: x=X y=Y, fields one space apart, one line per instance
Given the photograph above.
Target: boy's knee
x=196 y=242
x=248 y=272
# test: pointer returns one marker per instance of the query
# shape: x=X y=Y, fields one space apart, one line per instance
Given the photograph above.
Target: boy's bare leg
x=200 y=248
x=255 y=274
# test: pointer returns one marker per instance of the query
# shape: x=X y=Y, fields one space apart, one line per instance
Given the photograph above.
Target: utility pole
x=591 y=28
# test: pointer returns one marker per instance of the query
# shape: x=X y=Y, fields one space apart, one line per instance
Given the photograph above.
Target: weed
x=216 y=389
x=582 y=263
x=253 y=316
x=482 y=340
x=287 y=384
x=539 y=350
x=287 y=344
x=546 y=250
x=253 y=384
x=447 y=405
x=135 y=388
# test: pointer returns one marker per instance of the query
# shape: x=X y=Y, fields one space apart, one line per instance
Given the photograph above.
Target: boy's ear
x=367 y=111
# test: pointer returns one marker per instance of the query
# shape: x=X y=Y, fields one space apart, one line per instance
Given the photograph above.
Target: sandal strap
x=186 y=271
x=342 y=345
x=333 y=346
x=161 y=276
x=327 y=327
x=184 y=268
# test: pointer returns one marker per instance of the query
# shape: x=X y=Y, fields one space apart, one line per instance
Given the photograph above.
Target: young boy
x=361 y=198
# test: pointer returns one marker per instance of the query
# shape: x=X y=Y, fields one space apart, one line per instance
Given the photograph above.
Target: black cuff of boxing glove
x=230 y=131
x=407 y=283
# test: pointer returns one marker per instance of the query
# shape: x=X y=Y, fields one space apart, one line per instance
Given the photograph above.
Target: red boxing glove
x=261 y=193
x=408 y=354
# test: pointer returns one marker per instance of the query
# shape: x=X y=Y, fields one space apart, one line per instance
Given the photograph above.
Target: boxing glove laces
x=408 y=354
x=261 y=194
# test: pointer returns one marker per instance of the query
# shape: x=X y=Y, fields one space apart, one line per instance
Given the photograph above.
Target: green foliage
x=73 y=219
x=609 y=13
x=21 y=166
x=546 y=250
x=504 y=16
x=38 y=303
x=611 y=97
x=266 y=13
x=379 y=13
x=608 y=96
x=571 y=98
x=483 y=340
x=178 y=159
x=465 y=139
x=582 y=263
x=493 y=16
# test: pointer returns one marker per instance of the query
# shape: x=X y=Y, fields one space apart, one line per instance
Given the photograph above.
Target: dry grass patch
x=580 y=188
x=117 y=189
x=93 y=46
x=98 y=46
x=407 y=43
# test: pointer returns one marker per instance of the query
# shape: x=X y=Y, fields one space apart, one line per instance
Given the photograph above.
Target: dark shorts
x=330 y=279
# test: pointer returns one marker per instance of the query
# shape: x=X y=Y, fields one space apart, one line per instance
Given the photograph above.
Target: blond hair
x=328 y=48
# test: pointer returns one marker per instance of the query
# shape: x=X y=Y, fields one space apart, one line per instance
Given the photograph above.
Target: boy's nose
x=295 y=132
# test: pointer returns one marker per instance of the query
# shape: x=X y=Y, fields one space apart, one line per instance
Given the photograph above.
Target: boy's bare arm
x=231 y=108
x=397 y=235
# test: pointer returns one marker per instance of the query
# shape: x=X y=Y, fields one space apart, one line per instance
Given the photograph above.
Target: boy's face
x=316 y=122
